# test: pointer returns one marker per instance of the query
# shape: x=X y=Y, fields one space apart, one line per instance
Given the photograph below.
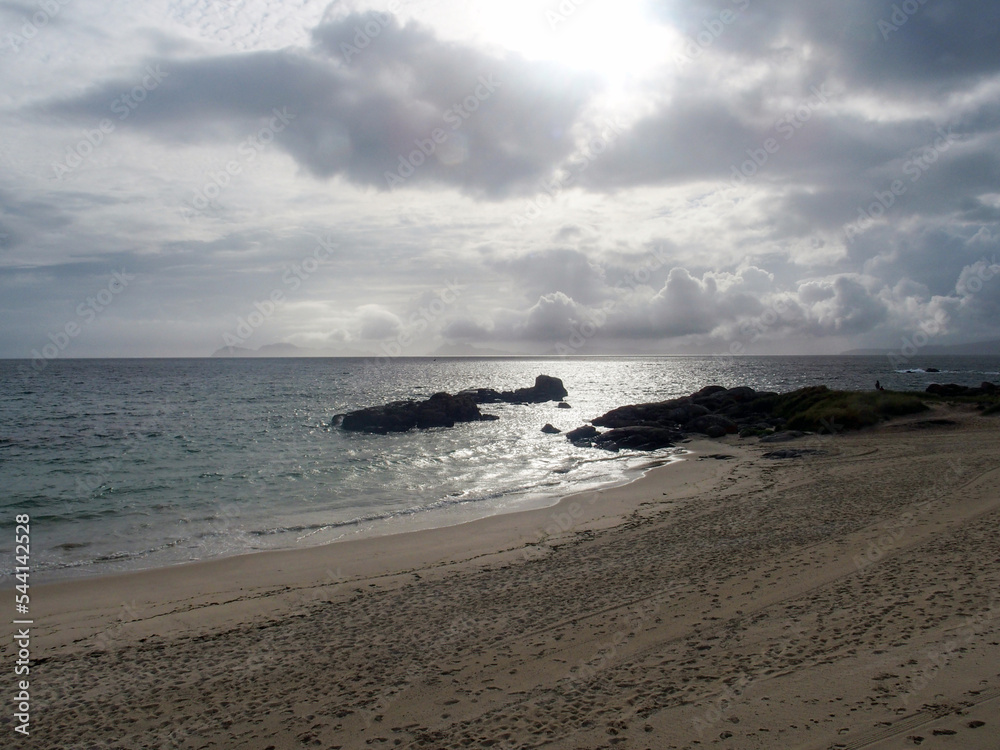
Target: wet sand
x=849 y=598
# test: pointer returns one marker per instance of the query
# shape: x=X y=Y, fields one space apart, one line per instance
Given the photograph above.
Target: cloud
x=922 y=46
x=560 y=270
x=761 y=152
x=381 y=104
x=377 y=323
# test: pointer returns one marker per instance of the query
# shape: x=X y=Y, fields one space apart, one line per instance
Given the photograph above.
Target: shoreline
x=393 y=524
x=265 y=573
x=846 y=598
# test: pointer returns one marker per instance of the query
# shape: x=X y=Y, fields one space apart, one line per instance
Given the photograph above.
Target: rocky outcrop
x=713 y=411
x=440 y=410
x=550 y=430
x=445 y=410
x=637 y=437
x=953 y=389
x=546 y=388
x=583 y=435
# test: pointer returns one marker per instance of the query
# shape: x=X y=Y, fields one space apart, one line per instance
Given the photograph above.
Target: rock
x=546 y=388
x=782 y=437
x=483 y=395
x=550 y=430
x=713 y=425
x=659 y=413
x=684 y=414
x=583 y=435
x=637 y=437
x=932 y=369
x=708 y=390
x=740 y=394
x=440 y=410
x=563 y=405
x=948 y=389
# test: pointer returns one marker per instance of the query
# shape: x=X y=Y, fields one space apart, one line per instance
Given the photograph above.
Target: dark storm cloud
x=811 y=63
x=384 y=105
x=892 y=46
x=26 y=221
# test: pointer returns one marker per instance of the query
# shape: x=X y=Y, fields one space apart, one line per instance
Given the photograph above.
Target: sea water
x=127 y=464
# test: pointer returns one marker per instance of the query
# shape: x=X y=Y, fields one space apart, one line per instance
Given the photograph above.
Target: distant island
x=980 y=348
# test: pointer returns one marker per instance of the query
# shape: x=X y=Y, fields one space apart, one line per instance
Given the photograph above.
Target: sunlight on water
x=138 y=463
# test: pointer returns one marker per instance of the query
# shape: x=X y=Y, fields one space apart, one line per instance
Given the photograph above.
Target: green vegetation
x=819 y=409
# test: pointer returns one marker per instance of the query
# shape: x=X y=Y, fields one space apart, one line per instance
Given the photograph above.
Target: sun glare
x=615 y=39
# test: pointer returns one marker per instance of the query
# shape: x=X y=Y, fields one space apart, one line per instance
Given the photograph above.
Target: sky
x=418 y=177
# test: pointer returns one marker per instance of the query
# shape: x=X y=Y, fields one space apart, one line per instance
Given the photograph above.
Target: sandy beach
x=849 y=598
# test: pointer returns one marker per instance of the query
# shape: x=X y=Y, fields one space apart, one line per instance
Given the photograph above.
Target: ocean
x=126 y=464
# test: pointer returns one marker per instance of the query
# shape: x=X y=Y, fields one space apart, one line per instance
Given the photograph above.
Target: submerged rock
x=440 y=410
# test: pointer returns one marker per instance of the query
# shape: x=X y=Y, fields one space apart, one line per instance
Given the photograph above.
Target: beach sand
x=849 y=598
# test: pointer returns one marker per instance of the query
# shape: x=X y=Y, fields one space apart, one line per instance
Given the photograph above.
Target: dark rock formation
x=440 y=410
x=953 y=389
x=637 y=437
x=710 y=408
x=713 y=425
x=445 y=410
x=563 y=405
x=583 y=435
x=546 y=388
x=713 y=411
x=550 y=430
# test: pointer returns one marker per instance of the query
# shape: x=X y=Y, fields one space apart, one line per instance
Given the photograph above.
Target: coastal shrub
x=818 y=408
